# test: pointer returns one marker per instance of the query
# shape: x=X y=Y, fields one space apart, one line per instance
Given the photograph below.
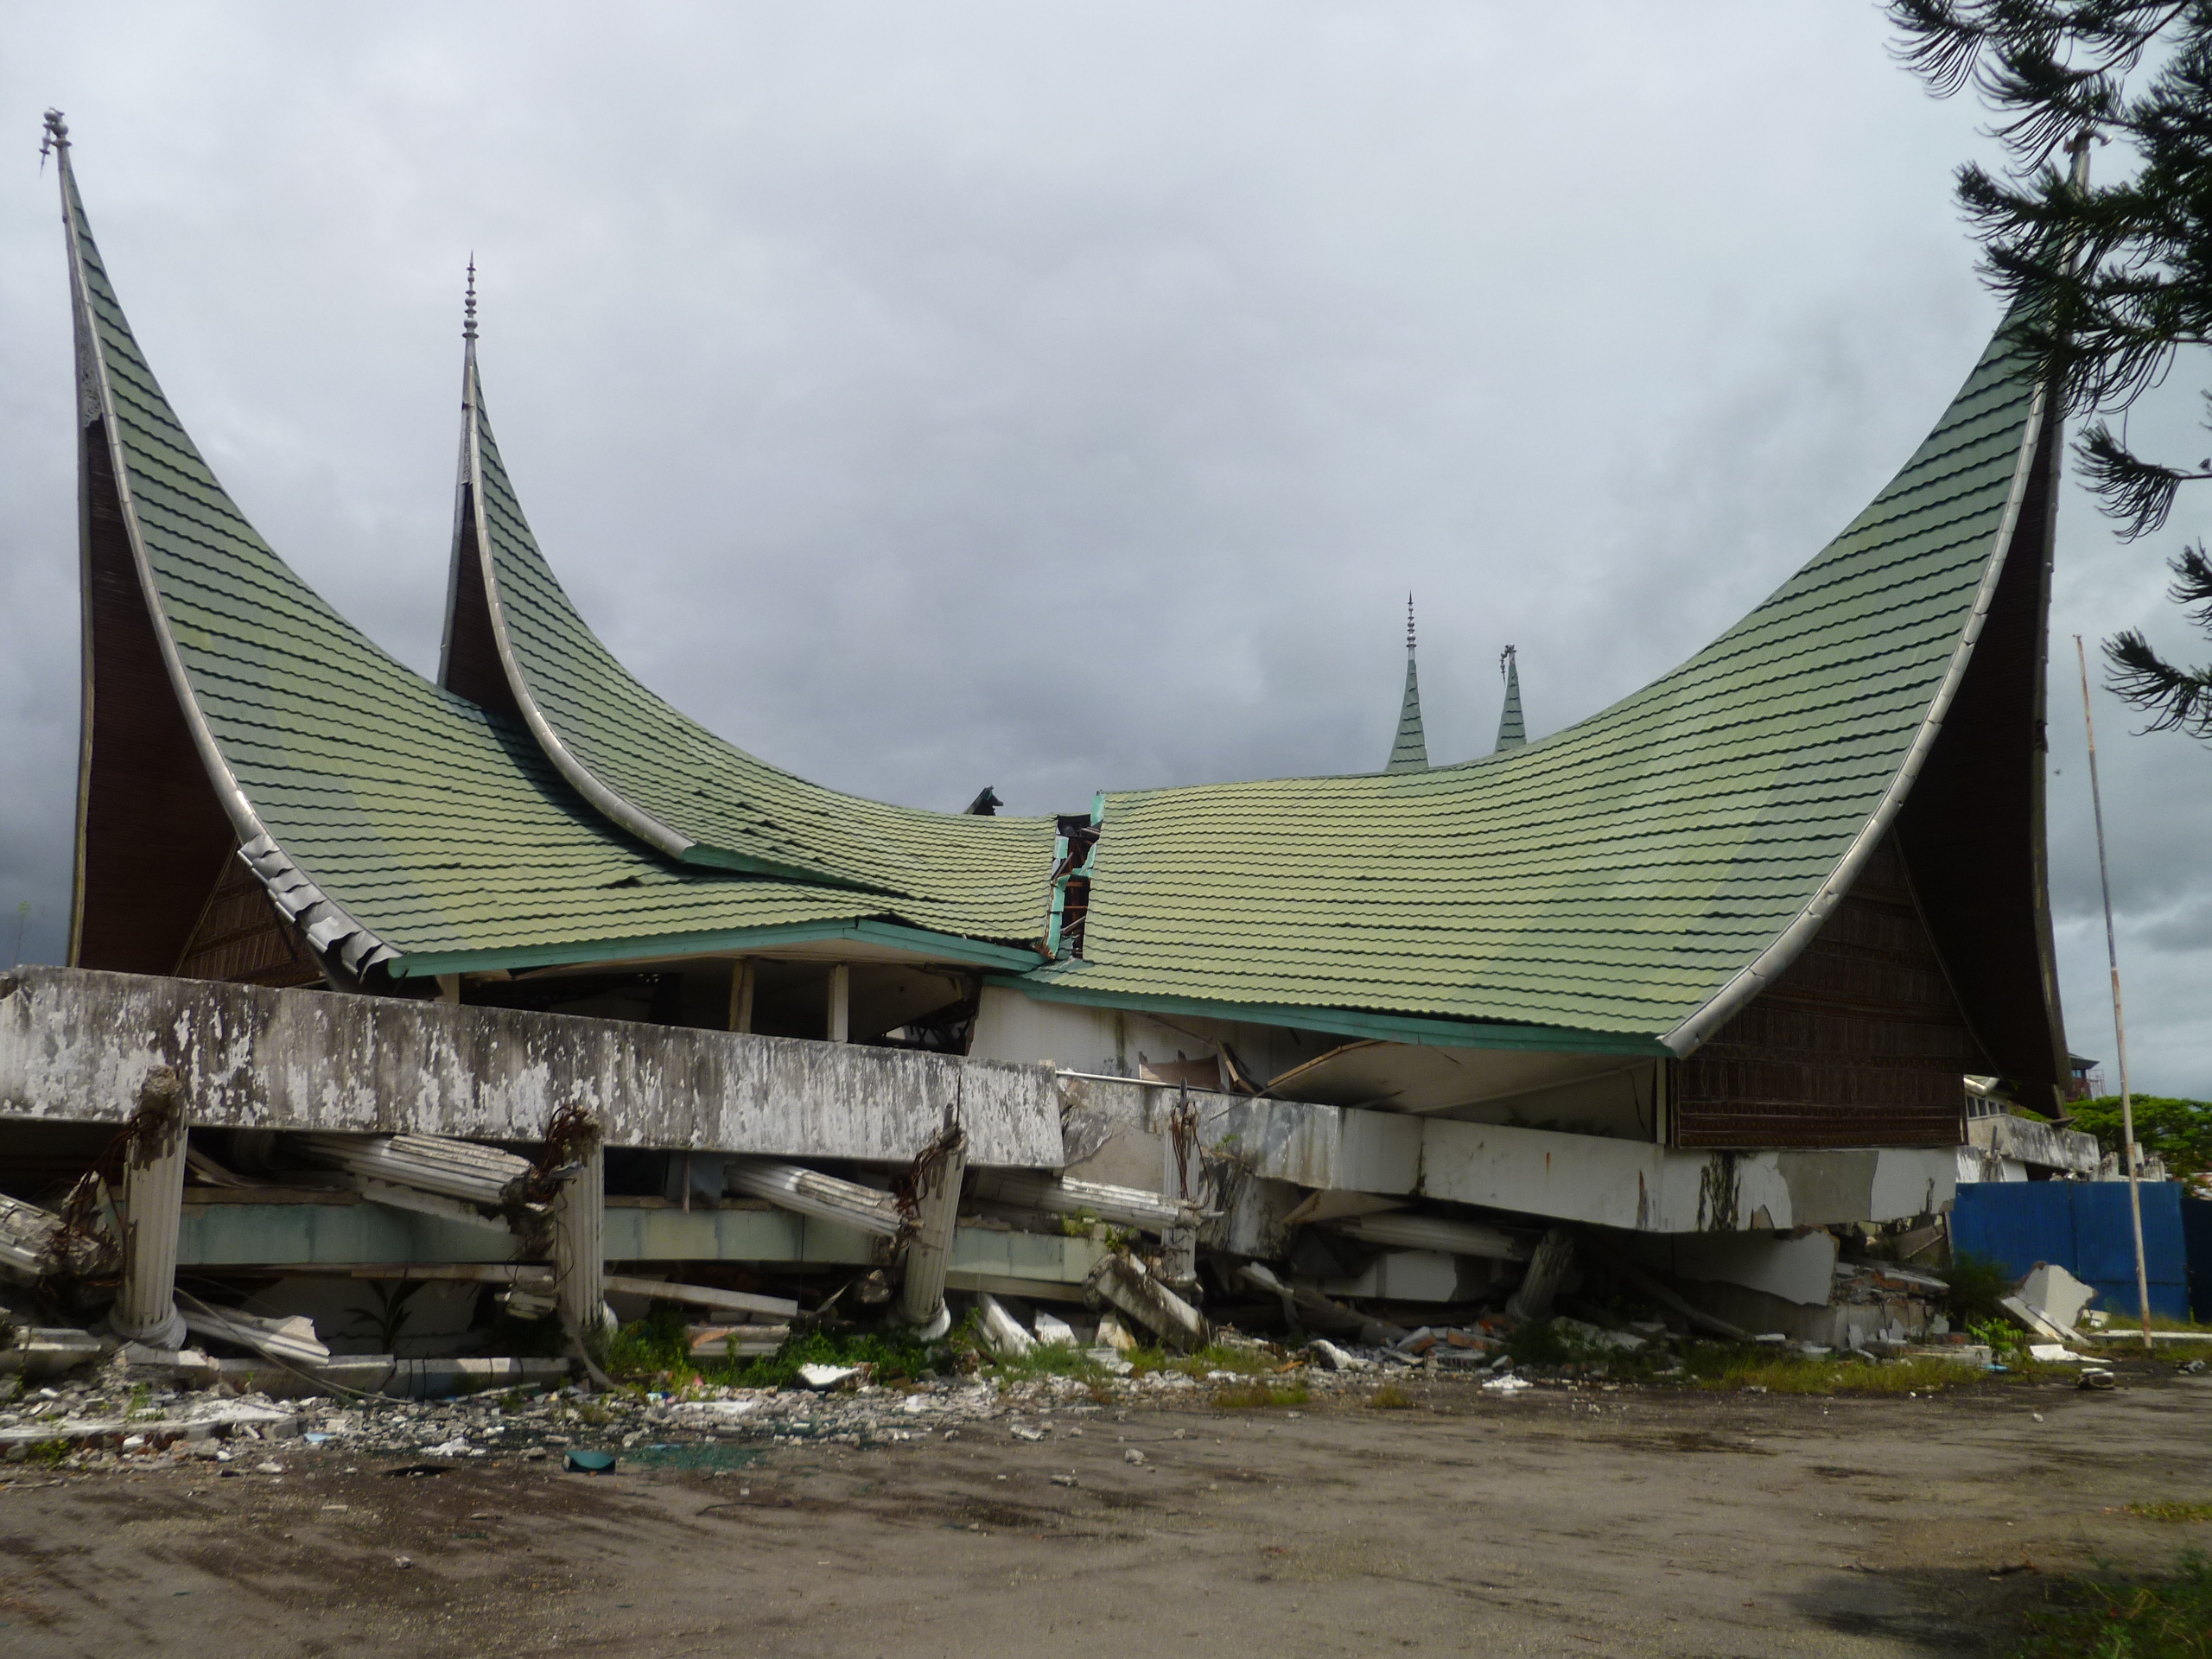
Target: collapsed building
x=522 y=988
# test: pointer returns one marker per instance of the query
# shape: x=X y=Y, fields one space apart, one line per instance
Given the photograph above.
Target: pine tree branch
x=2192 y=585
x=2177 y=699
x=2138 y=492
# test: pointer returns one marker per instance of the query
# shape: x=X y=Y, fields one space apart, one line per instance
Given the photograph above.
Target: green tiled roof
x=706 y=802
x=1614 y=877
x=1600 y=887
x=436 y=827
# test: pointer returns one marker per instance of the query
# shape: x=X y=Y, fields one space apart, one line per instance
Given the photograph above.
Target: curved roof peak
x=1409 y=748
x=516 y=639
x=1512 y=732
x=390 y=820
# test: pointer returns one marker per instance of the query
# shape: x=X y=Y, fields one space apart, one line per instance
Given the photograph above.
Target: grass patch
x=1545 y=1346
x=2172 y=1511
x=1714 y=1366
x=48 y=1454
x=1047 y=1359
x=2117 y=1617
x=1260 y=1396
x=1390 y=1397
x=660 y=1343
x=1214 y=1357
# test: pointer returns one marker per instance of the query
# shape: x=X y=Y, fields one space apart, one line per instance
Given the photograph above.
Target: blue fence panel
x=2083 y=1227
x=2196 y=1243
x=2017 y=1224
x=2104 y=1245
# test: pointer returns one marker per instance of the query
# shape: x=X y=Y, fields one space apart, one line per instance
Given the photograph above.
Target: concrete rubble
x=228 y=1225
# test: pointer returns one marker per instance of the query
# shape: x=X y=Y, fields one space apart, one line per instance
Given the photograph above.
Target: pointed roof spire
x=1511 y=731
x=1409 y=752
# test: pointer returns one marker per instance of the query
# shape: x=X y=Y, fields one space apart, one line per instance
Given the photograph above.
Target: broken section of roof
x=1643 y=875
x=665 y=779
x=1409 y=749
x=1511 y=733
x=390 y=821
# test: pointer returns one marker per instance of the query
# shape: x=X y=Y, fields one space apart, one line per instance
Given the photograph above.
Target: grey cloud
x=1055 y=398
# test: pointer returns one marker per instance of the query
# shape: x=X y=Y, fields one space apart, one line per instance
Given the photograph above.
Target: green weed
x=2124 y=1617
x=1390 y=1397
x=2172 y=1511
x=1974 y=1285
x=1214 y=1357
x=1713 y=1365
x=1048 y=1360
x=1259 y=1396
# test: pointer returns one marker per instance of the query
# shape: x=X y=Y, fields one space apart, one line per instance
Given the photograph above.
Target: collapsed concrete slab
x=76 y=1045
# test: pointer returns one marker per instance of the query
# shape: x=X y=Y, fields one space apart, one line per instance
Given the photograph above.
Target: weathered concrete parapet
x=79 y=1045
x=2044 y=1145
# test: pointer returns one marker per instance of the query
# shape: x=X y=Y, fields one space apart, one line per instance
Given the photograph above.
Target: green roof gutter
x=1351 y=1022
x=943 y=947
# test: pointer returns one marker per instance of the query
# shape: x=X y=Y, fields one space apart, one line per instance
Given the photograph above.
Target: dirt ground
x=1585 y=1521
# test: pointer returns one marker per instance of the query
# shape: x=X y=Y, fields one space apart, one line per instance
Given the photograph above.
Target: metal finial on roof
x=57 y=137
x=468 y=305
x=1409 y=621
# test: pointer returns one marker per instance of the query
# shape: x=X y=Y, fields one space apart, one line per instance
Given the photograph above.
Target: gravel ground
x=960 y=1520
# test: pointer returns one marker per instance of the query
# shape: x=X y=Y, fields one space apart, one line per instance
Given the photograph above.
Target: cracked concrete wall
x=75 y=1046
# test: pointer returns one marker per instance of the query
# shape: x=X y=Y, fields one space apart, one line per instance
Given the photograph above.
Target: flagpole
x=2119 y=1022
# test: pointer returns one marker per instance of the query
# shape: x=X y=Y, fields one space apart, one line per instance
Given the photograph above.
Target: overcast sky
x=929 y=395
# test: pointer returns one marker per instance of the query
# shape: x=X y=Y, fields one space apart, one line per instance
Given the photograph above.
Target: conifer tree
x=2117 y=278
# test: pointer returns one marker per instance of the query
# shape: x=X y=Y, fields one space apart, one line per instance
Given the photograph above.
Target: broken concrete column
x=1125 y=1206
x=1123 y=1281
x=1179 y=1254
x=1002 y=1333
x=25 y=1231
x=437 y=1163
x=153 y=1201
x=579 y=1244
x=1553 y=1260
x=794 y=1187
x=1406 y=1231
x=935 y=1212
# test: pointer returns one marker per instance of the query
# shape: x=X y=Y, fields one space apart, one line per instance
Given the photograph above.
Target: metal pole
x=2118 y=1021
